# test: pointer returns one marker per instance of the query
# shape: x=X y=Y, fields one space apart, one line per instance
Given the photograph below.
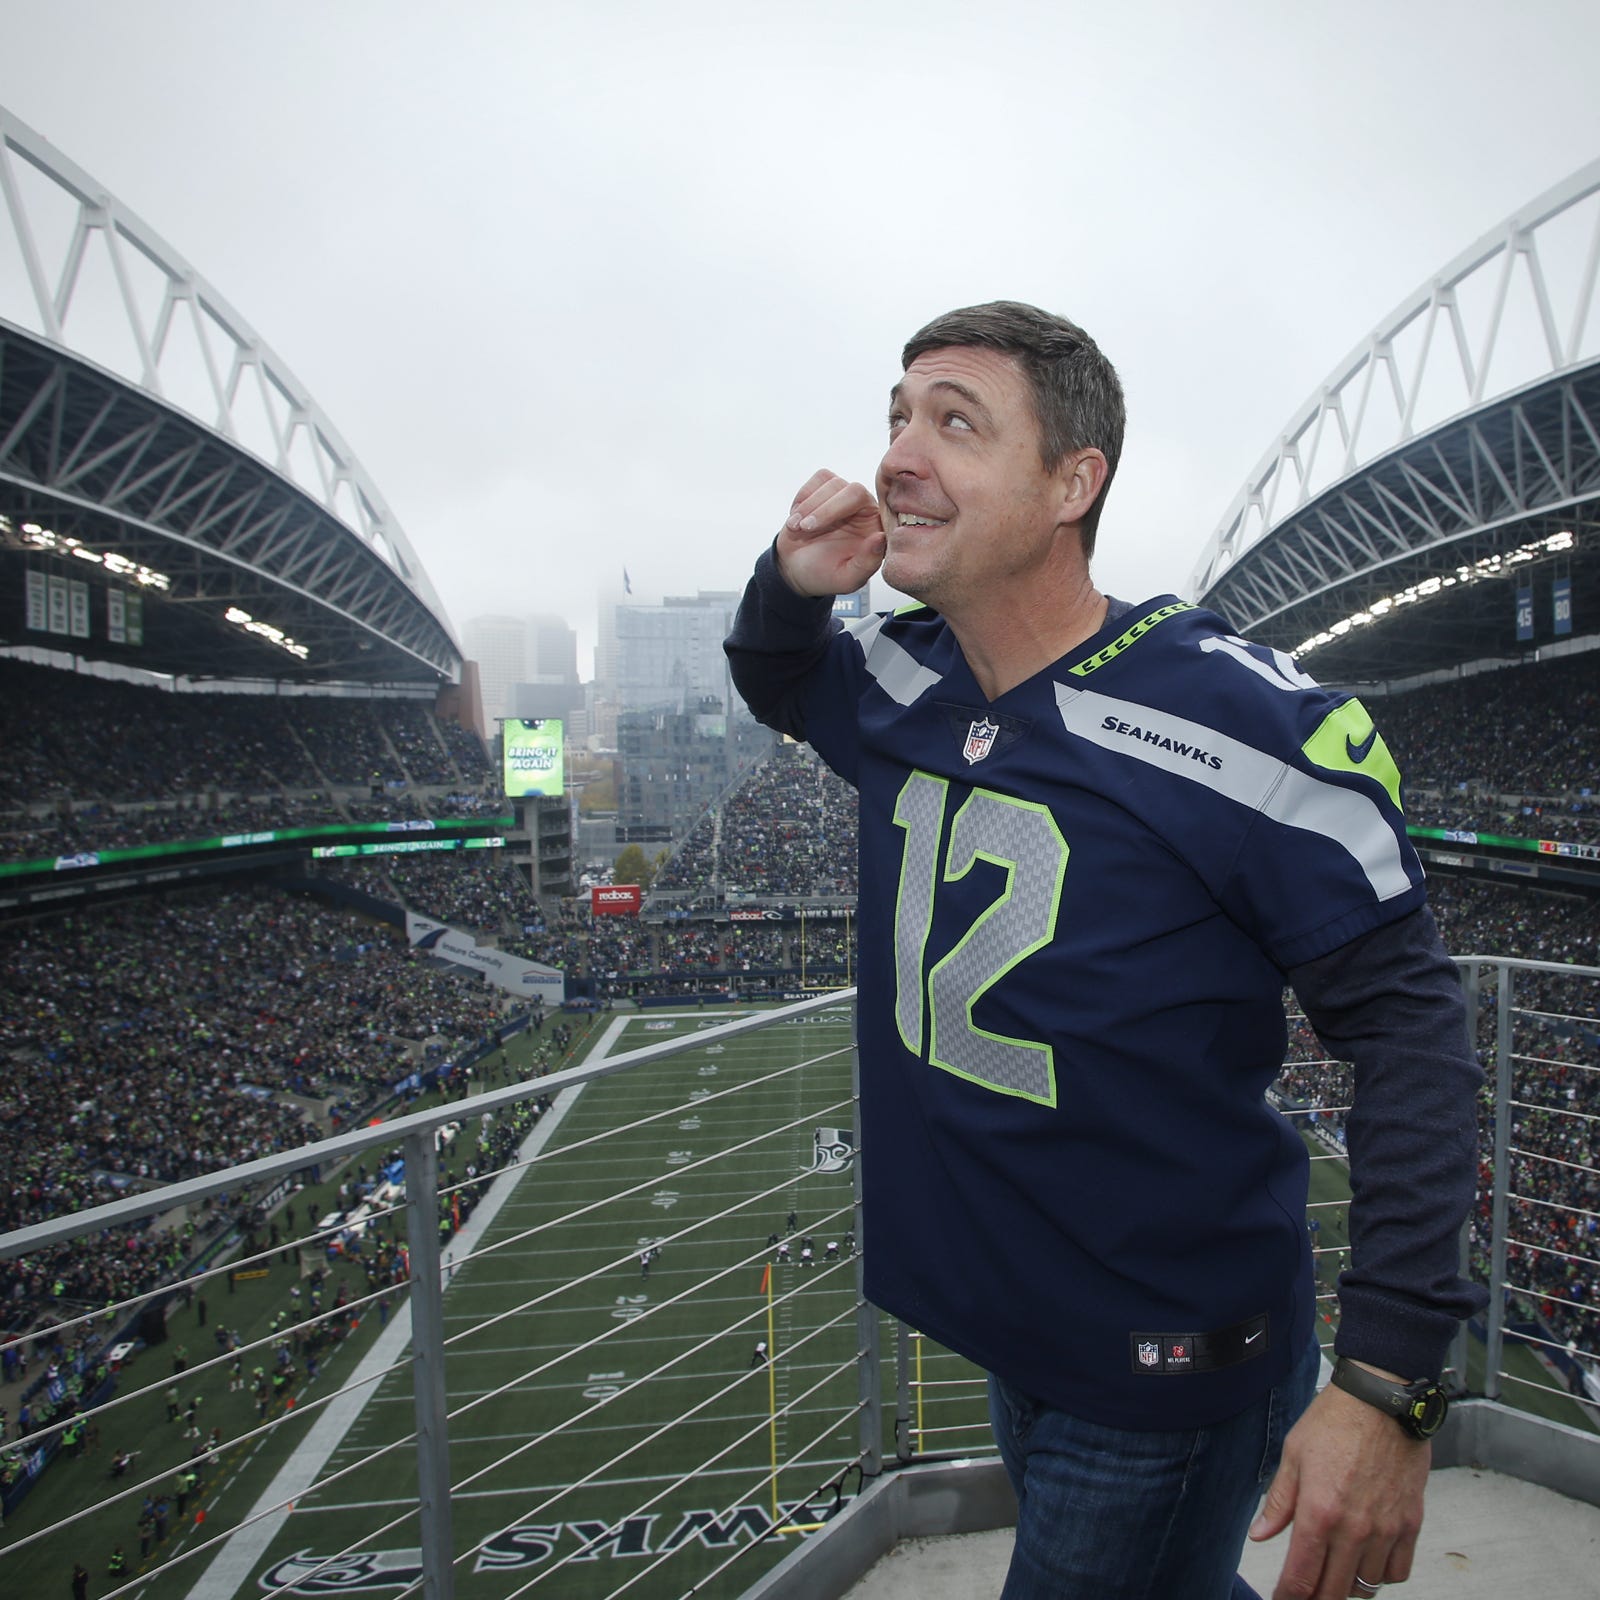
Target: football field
x=613 y=1426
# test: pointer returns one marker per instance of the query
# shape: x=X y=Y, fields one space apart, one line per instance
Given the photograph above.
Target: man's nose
x=906 y=456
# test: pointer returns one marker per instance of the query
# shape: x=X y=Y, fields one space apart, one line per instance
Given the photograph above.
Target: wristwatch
x=1418 y=1407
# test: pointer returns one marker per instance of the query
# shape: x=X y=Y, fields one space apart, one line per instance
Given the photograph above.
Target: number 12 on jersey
x=1022 y=839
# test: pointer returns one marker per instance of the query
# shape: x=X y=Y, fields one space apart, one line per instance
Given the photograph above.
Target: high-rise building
x=513 y=652
x=669 y=655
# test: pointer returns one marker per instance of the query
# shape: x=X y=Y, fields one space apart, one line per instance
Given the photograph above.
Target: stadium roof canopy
x=171 y=497
x=1449 y=463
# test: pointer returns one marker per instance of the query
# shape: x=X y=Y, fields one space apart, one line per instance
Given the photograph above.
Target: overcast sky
x=597 y=286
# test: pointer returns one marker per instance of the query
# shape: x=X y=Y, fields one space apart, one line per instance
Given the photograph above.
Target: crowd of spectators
x=789 y=832
x=155 y=1040
x=1553 y=1263
x=463 y=887
x=97 y=763
x=617 y=958
x=1515 y=751
x=723 y=947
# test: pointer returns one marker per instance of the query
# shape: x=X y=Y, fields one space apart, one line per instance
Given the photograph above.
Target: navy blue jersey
x=1078 y=905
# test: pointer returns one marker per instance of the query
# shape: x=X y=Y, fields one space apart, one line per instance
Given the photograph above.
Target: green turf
x=555 y=1330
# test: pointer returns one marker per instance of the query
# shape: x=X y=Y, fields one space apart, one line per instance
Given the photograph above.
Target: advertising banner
x=526 y=978
x=615 y=900
x=533 y=750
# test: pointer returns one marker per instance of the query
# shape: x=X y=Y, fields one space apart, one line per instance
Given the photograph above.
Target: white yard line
x=230 y=1569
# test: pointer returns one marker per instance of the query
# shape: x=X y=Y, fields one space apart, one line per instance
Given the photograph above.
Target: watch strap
x=1405 y=1402
x=1383 y=1393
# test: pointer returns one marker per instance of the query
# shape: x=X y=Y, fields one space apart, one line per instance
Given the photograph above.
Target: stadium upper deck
x=171 y=496
x=1437 y=498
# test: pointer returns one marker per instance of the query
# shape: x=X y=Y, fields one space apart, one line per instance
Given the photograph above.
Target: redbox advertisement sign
x=615 y=900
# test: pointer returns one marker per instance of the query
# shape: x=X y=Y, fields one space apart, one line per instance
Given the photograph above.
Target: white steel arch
x=252 y=397
x=1517 y=307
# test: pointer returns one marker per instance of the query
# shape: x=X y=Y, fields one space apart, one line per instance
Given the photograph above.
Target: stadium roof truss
x=1457 y=445
x=144 y=426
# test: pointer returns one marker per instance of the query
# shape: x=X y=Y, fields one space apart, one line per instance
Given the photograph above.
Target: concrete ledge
x=1486 y=1434
x=946 y=1497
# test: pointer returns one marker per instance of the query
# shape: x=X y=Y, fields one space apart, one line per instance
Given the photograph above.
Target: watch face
x=1427 y=1412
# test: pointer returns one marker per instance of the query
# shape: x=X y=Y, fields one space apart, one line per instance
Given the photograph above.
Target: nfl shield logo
x=980 y=740
x=1150 y=1354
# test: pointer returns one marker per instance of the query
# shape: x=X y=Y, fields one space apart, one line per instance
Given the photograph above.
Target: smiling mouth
x=904 y=519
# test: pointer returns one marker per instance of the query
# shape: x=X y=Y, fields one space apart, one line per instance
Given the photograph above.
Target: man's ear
x=1082 y=477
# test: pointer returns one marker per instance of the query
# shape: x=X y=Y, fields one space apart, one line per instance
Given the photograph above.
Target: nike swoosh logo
x=1359 y=752
x=1250 y=1338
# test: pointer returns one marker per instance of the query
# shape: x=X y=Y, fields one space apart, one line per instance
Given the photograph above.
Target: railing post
x=902 y=1393
x=427 y=1365
x=869 y=1371
x=1494 y=1349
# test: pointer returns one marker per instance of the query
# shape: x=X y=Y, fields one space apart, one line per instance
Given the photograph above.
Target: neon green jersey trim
x=1122 y=641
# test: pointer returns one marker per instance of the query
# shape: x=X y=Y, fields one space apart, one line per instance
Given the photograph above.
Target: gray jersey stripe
x=1243 y=774
x=898 y=673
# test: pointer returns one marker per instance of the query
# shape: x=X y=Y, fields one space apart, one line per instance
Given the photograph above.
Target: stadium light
x=32 y=536
x=265 y=630
x=1490 y=566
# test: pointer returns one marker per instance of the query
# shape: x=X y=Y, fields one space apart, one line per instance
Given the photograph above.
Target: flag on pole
x=766 y=1278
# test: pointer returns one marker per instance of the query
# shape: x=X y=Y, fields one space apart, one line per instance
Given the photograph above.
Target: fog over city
x=594 y=289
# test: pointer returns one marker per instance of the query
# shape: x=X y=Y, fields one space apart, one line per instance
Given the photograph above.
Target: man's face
x=968 y=505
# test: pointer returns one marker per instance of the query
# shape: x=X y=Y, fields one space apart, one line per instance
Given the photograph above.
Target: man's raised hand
x=834 y=538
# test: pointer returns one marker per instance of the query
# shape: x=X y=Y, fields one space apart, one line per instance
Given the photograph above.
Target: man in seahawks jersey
x=1097 y=839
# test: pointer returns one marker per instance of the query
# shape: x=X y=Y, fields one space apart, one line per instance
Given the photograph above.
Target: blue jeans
x=1126 y=1514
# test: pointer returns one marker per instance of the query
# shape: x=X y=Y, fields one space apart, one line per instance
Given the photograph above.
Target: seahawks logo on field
x=833 y=1149
x=528 y=1545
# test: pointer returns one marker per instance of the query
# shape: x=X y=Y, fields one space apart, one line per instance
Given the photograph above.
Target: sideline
x=233 y=1563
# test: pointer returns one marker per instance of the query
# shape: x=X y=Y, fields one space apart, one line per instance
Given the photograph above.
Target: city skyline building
x=527 y=665
x=670 y=655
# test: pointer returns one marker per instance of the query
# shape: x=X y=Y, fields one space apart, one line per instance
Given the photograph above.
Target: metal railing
x=567 y=1311
x=1538 y=1037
